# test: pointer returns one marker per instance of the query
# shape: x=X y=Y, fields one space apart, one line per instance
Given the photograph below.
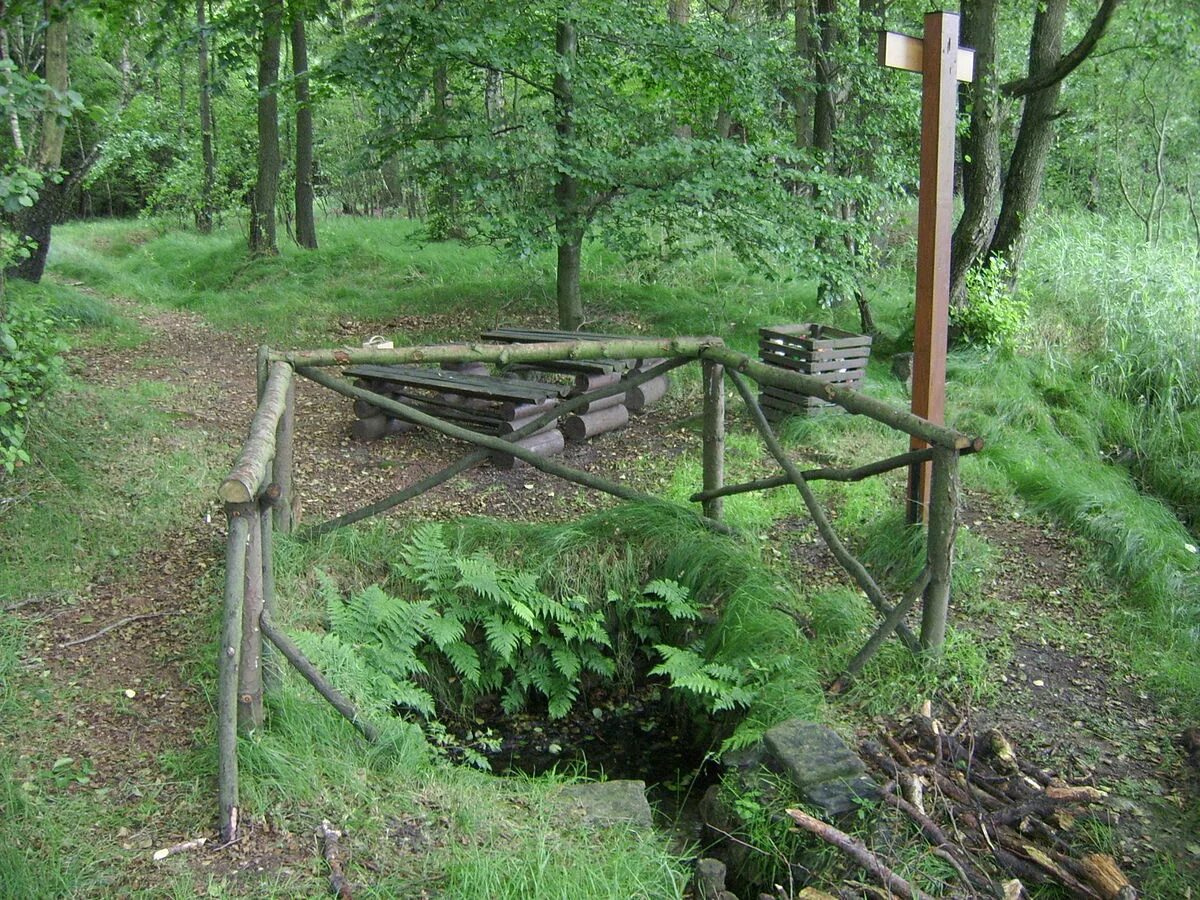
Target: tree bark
x=36 y=221
x=1027 y=166
x=824 y=101
x=262 y=211
x=568 y=225
x=981 y=148
x=204 y=215
x=802 y=95
x=306 y=225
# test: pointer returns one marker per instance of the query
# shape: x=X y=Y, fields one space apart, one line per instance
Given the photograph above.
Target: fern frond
x=465 y=661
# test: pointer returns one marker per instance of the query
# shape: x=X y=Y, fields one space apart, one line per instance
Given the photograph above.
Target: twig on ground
x=181 y=847
x=120 y=623
x=331 y=850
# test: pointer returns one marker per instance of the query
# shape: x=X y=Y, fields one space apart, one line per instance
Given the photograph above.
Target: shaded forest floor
x=118 y=725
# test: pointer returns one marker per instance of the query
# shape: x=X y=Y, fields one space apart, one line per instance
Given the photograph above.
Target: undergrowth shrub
x=30 y=364
x=995 y=312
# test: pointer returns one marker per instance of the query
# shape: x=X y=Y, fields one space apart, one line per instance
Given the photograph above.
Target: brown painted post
x=281 y=468
x=714 y=435
x=942 y=64
x=227 y=683
x=939 y=103
x=250 y=685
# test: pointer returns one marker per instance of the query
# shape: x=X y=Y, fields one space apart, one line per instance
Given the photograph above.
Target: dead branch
x=121 y=623
x=857 y=851
x=331 y=849
x=181 y=847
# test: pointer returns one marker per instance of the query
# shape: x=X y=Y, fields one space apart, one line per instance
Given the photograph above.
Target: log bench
x=464 y=394
x=601 y=416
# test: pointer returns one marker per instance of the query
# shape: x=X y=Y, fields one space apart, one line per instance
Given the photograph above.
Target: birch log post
x=250 y=684
x=284 y=511
x=227 y=679
x=270 y=663
x=943 y=521
x=248 y=476
x=713 y=376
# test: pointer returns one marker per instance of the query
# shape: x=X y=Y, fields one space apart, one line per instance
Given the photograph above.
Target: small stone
x=130 y=693
x=610 y=803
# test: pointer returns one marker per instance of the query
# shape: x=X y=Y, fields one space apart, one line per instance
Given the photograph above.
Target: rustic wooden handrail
x=249 y=474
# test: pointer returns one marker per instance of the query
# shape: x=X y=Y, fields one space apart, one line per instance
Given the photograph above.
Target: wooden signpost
x=942 y=64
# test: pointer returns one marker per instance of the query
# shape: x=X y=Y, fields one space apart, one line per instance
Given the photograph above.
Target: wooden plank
x=482 y=386
x=856 y=363
x=902 y=51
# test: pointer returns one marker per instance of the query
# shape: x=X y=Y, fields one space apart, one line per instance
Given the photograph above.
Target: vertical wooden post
x=939 y=104
x=262 y=368
x=281 y=468
x=713 y=375
x=943 y=522
x=942 y=64
x=227 y=680
x=250 y=685
x=271 y=665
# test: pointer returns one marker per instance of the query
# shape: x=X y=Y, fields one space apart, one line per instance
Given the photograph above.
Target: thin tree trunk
x=306 y=226
x=981 y=147
x=802 y=95
x=568 y=223
x=1023 y=185
x=679 y=14
x=824 y=102
x=36 y=221
x=204 y=215
x=262 y=213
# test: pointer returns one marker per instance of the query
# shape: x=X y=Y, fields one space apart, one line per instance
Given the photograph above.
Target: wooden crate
x=830 y=354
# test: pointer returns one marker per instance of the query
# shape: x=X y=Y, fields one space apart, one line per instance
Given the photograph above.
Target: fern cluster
x=486 y=628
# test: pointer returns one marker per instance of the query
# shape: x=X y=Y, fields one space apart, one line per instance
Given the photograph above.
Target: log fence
x=259 y=497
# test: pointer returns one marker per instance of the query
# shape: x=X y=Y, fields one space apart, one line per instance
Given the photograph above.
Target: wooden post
x=262 y=367
x=713 y=375
x=270 y=664
x=281 y=469
x=943 y=521
x=250 y=685
x=227 y=680
x=942 y=64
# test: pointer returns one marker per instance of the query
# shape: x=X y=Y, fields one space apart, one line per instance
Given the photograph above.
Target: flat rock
x=606 y=803
x=817 y=761
x=810 y=753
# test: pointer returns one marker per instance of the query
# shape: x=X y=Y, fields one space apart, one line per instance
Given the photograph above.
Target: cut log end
x=234 y=491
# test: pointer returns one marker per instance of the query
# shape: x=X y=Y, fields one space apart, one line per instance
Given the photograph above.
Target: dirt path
x=131 y=698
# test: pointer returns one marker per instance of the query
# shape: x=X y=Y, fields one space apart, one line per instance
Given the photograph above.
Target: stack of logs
x=984 y=809
x=593 y=418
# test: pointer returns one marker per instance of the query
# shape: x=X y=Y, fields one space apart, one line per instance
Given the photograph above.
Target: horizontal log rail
x=249 y=474
x=859 y=473
x=847 y=398
x=504 y=354
x=710 y=348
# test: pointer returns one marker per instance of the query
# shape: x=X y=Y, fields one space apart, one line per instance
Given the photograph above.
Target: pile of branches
x=1000 y=821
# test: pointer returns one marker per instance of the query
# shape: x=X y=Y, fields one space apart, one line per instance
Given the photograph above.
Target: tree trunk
x=802 y=96
x=35 y=222
x=445 y=220
x=204 y=214
x=981 y=148
x=262 y=212
x=306 y=226
x=568 y=224
x=824 y=101
x=1023 y=184
x=679 y=14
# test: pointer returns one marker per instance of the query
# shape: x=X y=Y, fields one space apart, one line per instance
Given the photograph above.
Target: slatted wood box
x=830 y=354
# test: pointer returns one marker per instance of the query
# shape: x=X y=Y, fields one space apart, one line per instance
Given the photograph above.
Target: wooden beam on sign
x=936 y=56
x=903 y=51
